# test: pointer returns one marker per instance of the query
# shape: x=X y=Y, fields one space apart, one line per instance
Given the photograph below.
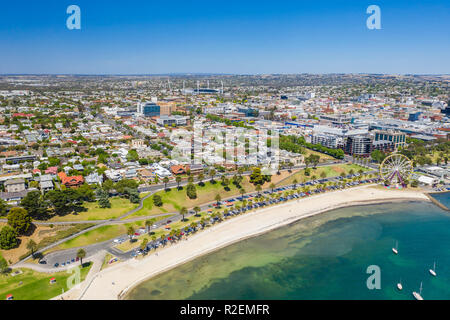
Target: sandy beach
x=114 y=282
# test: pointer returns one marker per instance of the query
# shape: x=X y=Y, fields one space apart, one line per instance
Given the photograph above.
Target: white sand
x=128 y=274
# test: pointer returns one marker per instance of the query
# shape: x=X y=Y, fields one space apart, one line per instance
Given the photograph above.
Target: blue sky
x=245 y=37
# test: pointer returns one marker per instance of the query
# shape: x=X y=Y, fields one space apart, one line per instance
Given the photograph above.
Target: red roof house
x=70 y=181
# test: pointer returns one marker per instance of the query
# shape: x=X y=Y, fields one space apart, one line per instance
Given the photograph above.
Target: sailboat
x=433 y=271
x=399 y=285
x=395 y=250
x=418 y=296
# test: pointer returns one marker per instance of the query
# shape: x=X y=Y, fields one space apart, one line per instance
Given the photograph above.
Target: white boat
x=418 y=295
x=395 y=250
x=433 y=271
x=399 y=285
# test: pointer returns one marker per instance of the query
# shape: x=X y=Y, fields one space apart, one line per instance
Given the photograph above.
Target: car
x=56 y=265
x=169 y=221
x=42 y=262
x=63 y=264
x=73 y=260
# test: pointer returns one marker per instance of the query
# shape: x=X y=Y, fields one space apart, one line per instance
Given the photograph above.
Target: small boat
x=399 y=285
x=395 y=250
x=418 y=295
x=433 y=271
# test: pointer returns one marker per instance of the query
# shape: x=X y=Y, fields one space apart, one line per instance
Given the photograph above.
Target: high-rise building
x=149 y=109
x=396 y=137
x=359 y=145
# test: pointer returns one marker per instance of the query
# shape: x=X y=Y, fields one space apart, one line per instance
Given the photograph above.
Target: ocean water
x=323 y=257
x=443 y=198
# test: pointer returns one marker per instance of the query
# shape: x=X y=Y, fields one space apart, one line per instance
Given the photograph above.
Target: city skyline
x=237 y=38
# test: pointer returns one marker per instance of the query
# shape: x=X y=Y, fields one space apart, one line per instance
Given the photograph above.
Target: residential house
x=70 y=181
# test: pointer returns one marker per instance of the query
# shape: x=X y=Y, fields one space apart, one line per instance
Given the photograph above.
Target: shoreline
x=116 y=282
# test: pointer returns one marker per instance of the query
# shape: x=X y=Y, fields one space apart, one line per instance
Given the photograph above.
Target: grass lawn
x=174 y=199
x=323 y=157
x=100 y=234
x=43 y=236
x=119 y=206
x=330 y=171
x=36 y=285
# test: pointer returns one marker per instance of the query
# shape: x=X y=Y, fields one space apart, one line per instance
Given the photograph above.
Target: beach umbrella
x=9 y=297
x=52 y=280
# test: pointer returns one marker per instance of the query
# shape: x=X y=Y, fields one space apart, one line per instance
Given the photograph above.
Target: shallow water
x=323 y=257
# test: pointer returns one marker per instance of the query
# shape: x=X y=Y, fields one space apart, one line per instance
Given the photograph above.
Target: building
x=46 y=182
x=70 y=181
x=396 y=137
x=15 y=185
x=172 y=120
x=249 y=112
x=327 y=140
x=358 y=145
x=148 y=109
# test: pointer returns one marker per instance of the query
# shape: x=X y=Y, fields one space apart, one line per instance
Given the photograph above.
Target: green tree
x=32 y=246
x=8 y=238
x=166 y=181
x=3 y=208
x=144 y=244
x=35 y=205
x=178 y=180
x=183 y=212
x=19 y=220
x=218 y=198
x=3 y=265
x=157 y=200
x=130 y=232
x=191 y=191
x=197 y=210
x=81 y=254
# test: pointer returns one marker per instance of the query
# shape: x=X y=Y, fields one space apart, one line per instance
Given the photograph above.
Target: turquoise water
x=443 y=198
x=323 y=257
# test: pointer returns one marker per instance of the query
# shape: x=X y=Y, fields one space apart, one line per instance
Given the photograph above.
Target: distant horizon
x=218 y=74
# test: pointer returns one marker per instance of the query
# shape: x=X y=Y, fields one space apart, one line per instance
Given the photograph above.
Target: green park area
x=32 y=285
x=174 y=199
x=322 y=172
x=119 y=206
x=101 y=234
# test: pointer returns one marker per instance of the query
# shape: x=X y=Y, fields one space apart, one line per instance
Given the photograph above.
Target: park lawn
x=119 y=206
x=43 y=236
x=323 y=157
x=330 y=171
x=36 y=285
x=100 y=234
x=174 y=199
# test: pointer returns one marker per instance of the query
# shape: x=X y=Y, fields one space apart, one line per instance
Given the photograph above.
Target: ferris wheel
x=396 y=169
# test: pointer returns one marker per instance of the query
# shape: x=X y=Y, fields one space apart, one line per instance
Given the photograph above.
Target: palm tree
x=80 y=255
x=201 y=177
x=197 y=210
x=166 y=181
x=272 y=186
x=144 y=244
x=31 y=245
x=148 y=224
x=295 y=183
x=130 y=232
x=258 y=188
x=242 y=191
x=178 y=180
x=218 y=198
x=212 y=174
x=183 y=211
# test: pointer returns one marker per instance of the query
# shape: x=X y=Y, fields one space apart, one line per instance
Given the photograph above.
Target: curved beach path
x=116 y=281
